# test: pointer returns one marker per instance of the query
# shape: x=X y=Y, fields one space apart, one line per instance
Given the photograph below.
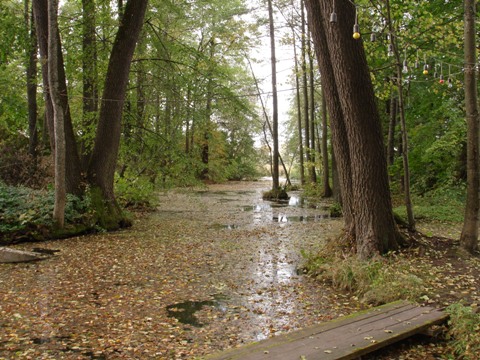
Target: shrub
x=137 y=192
x=463 y=331
x=27 y=211
x=376 y=281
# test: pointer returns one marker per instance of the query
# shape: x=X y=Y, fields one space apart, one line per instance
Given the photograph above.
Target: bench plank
x=345 y=338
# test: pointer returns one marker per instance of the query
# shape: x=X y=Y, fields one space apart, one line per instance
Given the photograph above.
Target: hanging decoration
x=356 y=27
x=441 y=80
x=405 y=64
x=425 y=66
x=333 y=15
x=450 y=82
x=391 y=51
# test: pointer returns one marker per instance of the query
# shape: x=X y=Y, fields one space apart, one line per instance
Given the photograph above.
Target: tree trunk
x=313 y=174
x=208 y=114
x=299 y=113
x=31 y=52
x=341 y=147
x=306 y=107
x=107 y=141
x=343 y=63
x=73 y=168
x=58 y=113
x=275 y=172
x=391 y=130
x=327 y=190
x=90 y=76
x=401 y=108
x=469 y=236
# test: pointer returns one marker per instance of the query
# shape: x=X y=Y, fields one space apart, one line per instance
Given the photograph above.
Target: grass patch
x=376 y=281
x=441 y=205
x=464 y=330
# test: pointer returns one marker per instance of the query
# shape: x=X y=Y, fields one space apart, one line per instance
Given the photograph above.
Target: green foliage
x=135 y=192
x=443 y=204
x=464 y=327
x=377 y=281
x=24 y=210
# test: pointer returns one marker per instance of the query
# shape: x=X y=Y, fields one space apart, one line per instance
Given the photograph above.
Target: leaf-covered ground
x=208 y=270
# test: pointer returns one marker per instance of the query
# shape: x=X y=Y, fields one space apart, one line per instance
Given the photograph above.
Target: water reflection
x=185 y=312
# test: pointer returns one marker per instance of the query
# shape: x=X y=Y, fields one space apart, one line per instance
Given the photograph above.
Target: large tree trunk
x=90 y=76
x=107 y=141
x=344 y=67
x=341 y=147
x=31 y=52
x=73 y=169
x=469 y=236
x=58 y=114
x=275 y=172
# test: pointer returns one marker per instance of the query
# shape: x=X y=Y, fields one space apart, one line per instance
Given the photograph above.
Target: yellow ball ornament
x=356 y=35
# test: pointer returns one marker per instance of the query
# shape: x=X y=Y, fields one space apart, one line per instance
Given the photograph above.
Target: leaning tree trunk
x=58 y=122
x=469 y=236
x=73 y=178
x=107 y=141
x=341 y=147
x=374 y=226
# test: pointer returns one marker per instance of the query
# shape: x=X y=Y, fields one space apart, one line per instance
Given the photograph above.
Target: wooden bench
x=345 y=338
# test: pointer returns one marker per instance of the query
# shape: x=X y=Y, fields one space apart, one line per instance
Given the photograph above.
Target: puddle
x=223 y=226
x=185 y=312
x=301 y=219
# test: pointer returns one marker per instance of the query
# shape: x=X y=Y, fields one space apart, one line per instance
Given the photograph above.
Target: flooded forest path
x=208 y=270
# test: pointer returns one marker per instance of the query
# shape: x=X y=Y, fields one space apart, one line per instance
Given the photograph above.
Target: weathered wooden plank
x=345 y=338
x=8 y=255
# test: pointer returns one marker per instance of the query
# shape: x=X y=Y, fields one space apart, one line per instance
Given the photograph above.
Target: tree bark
x=344 y=68
x=313 y=174
x=469 y=236
x=107 y=141
x=31 y=72
x=327 y=190
x=275 y=172
x=73 y=168
x=299 y=112
x=306 y=107
x=90 y=75
x=391 y=130
x=341 y=147
x=58 y=114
